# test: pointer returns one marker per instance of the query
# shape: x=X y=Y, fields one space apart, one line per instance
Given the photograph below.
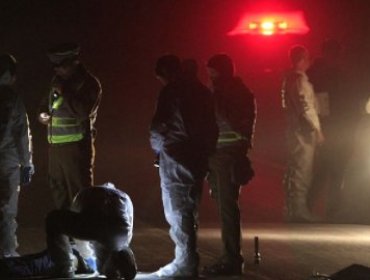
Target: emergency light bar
x=268 y=24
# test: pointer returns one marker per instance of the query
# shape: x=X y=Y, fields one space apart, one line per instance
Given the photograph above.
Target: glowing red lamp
x=268 y=24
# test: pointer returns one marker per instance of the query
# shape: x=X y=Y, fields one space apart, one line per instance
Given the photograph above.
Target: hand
x=44 y=118
x=320 y=137
x=26 y=174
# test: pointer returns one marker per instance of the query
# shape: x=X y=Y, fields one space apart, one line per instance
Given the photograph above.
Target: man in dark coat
x=229 y=165
x=183 y=134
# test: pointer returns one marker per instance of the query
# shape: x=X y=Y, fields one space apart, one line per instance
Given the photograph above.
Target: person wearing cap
x=304 y=135
x=183 y=134
x=229 y=166
x=69 y=111
x=338 y=115
x=16 y=167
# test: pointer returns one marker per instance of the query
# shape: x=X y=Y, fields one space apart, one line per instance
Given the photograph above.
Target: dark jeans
x=107 y=236
x=70 y=170
x=9 y=193
x=226 y=194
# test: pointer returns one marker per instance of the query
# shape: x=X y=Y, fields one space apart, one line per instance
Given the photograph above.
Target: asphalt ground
x=288 y=251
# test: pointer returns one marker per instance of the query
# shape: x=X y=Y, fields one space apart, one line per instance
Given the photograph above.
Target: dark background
x=121 y=41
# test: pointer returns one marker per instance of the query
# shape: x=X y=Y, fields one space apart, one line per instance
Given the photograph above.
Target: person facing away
x=338 y=117
x=229 y=166
x=183 y=134
x=103 y=215
x=16 y=165
x=304 y=134
x=69 y=111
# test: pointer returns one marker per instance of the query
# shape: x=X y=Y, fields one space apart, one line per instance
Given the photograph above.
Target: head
x=168 y=68
x=7 y=69
x=331 y=50
x=220 y=66
x=190 y=68
x=65 y=59
x=299 y=58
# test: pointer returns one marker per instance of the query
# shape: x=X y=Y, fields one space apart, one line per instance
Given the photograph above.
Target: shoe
x=9 y=254
x=174 y=270
x=224 y=269
x=125 y=262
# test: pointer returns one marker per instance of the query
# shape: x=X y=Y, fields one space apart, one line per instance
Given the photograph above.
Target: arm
x=305 y=104
x=159 y=126
x=21 y=132
x=86 y=100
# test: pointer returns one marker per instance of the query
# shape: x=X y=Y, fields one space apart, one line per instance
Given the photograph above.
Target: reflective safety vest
x=63 y=128
x=229 y=137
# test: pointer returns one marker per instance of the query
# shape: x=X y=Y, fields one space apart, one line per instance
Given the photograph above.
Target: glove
x=26 y=174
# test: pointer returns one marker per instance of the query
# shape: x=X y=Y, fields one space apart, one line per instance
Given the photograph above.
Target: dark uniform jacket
x=235 y=108
x=184 y=119
x=81 y=98
x=14 y=129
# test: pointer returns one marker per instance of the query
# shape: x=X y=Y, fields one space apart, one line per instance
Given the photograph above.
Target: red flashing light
x=271 y=24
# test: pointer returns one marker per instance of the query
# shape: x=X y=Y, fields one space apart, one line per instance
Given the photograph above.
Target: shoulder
x=92 y=82
x=240 y=87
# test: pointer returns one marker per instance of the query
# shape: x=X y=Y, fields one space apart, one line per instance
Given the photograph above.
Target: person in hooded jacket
x=16 y=166
x=103 y=215
x=183 y=134
x=229 y=167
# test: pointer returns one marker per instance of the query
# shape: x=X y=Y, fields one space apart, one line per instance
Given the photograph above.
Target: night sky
x=121 y=41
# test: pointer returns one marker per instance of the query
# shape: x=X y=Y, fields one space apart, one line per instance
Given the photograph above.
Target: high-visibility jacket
x=235 y=112
x=73 y=105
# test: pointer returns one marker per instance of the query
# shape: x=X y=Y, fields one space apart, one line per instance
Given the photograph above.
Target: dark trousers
x=70 y=170
x=226 y=194
x=107 y=236
x=9 y=193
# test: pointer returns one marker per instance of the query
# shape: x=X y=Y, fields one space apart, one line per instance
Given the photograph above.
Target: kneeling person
x=102 y=215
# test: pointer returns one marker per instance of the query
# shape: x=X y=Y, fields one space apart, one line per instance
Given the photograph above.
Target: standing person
x=183 y=133
x=16 y=165
x=70 y=111
x=235 y=114
x=338 y=119
x=304 y=134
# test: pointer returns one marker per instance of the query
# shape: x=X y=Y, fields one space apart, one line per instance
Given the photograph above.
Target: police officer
x=304 y=134
x=15 y=154
x=183 y=134
x=103 y=215
x=229 y=166
x=70 y=112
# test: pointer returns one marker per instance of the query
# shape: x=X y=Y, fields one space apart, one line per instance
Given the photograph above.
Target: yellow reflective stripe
x=57 y=103
x=230 y=136
x=58 y=139
x=56 y=121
